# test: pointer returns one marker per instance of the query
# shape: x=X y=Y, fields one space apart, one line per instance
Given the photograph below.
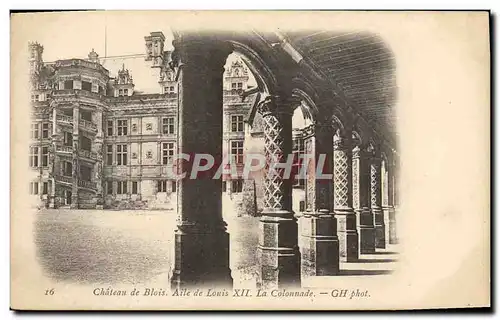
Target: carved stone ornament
x=309 y=130
x=269 y=105
x=356 y=152
x=340 y=140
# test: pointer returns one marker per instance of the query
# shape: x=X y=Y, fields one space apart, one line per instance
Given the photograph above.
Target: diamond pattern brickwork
x=341 y=178
x=355 y=183
x=277 y=139
x=273 y=184
x=375 y=187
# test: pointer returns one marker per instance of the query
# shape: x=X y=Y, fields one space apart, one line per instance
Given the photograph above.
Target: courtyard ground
x=96 y=246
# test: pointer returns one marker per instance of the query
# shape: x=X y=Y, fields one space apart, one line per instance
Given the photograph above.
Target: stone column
x=201 y=240
x=278 y=250
x=392 y=178
x=54 y=120
x=361 y=200
x=384 y=185
x=51 y=181
x=52 y=160
x=387 y=201
x=139 y=157
x=342 y=199
x=320 y=250
x=76 y=145
x=97 y=147
x=376 y=197
x=98 y=174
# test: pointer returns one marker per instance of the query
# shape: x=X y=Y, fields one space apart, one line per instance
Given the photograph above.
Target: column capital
x=318 y=130
x=200 y=53
x=356 y=152
x=373 y=150
x=277 y=104
x=342 y=140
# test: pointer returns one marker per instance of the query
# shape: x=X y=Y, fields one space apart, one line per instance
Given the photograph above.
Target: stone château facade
x=98 y=143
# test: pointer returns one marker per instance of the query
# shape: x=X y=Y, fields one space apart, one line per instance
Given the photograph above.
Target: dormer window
x=122 y=92
x=237 y=86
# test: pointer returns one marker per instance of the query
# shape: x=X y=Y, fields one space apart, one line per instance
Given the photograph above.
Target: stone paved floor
x=91 y=246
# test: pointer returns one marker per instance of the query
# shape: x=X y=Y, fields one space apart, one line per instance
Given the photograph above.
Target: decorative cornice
x=342 y=138
x=309 y=131
x=80 y=63
x=339 y=143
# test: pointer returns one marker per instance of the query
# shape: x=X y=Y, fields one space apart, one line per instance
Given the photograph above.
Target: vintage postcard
x=170 y=160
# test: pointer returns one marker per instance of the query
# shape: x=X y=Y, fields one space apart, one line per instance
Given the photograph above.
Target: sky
x=112 y=37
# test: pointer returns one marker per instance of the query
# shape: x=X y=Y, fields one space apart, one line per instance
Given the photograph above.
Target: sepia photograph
x=239 y=160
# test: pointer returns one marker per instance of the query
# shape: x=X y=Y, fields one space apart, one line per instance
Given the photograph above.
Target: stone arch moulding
x=256 y=53
x=337 y=123
x=364 y=133
x=388 y=152
x=264 y=76
x=374 y=145
x=335 y=115
x=357 y=140
x=308 y=107
x=385 y=155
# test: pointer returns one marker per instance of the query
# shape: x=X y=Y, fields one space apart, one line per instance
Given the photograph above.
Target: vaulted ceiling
x=361 y=66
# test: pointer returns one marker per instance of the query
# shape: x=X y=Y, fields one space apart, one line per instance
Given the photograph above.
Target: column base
x=379 y=228
x=348 y=235
x=320 y=253
x=389 y=225
x=201 y=257
x=366 y=231
x=99 y=201
x=278 y=252
x=74 y=198
x=52 y=202
x=393 y=238
x=249 y=200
